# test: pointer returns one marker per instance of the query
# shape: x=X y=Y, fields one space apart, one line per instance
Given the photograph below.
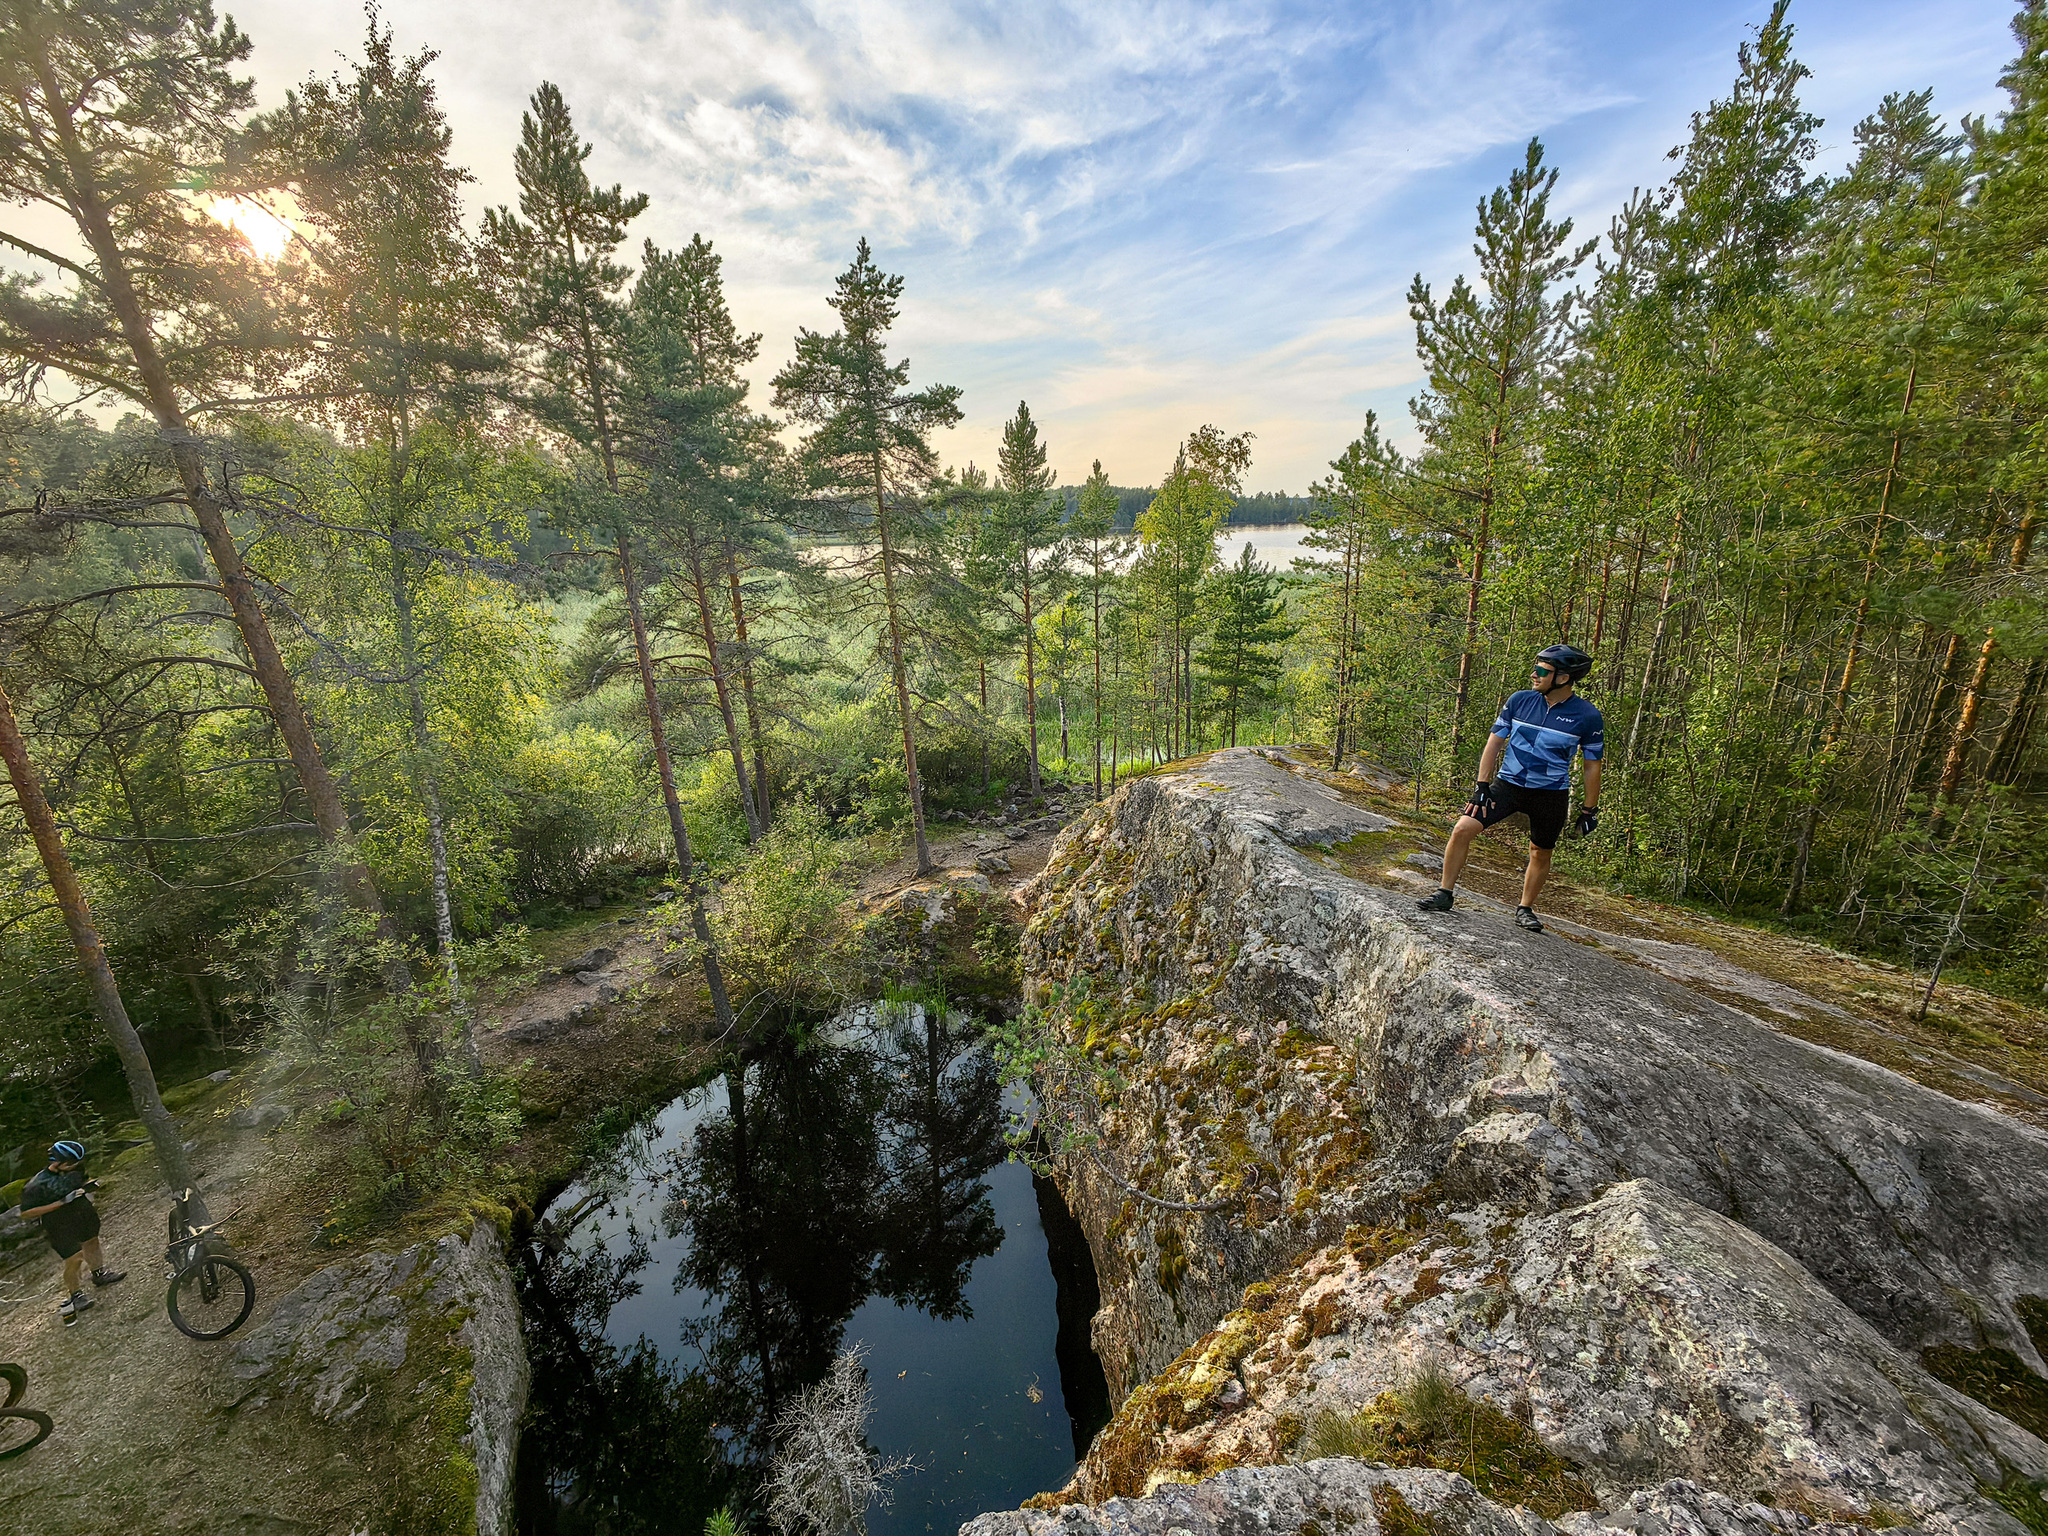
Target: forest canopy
x=374 y=588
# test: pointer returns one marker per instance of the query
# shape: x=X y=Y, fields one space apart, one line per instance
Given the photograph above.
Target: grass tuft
x=1429 y=1422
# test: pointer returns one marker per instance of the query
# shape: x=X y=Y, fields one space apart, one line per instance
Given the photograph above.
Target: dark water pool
x=857 y=1190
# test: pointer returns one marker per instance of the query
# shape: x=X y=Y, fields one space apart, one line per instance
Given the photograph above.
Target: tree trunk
x=1030 y=674
x=764 y=803
x=2003 y=765
x=164 y=1135
x=1955 y=925
x=1657 y=635
x=1628 y=606
x=686 y=866
x=1346 y=650
x=1973 y=693
x=1606 y=570
x=437 y=831
x=707 y=629
x=323 y=797
x=1096 y=593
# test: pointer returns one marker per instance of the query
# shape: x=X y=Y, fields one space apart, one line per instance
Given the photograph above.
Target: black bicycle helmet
x=1568 y=659
x=67 y=1152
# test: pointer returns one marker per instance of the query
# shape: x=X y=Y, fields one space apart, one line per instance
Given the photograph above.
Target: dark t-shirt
x=51 y=1185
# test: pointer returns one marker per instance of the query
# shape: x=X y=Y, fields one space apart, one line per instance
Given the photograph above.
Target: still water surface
x=1274 y=546
x=856 y=1191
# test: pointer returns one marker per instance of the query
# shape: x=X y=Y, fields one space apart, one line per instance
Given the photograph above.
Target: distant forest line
x=1262 y=509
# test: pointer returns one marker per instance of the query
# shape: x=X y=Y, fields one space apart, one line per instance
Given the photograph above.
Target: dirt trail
x=143 y=1442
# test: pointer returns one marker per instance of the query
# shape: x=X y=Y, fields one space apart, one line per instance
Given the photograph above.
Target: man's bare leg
x=1534 y=876
x=1458 y=849
x=74 y=1272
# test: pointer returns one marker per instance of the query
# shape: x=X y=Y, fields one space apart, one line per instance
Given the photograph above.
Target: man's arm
x=1489 y=760
x=1592 y=782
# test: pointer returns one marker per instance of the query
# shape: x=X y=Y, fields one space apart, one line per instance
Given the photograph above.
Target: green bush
x=588 y=815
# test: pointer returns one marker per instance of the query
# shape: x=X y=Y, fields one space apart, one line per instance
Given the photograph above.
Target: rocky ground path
x=1669 y=1204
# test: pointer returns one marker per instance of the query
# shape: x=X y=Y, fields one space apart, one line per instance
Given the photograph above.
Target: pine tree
x=684 y=423
x=1177 y=554
x=1020 y=542
x=1488 y=360
x=870 y=460
x=1243 y=658
x=1350 y=509
x=111 y=113
x=391 y=282
x=1089 y=534
x=555 y=257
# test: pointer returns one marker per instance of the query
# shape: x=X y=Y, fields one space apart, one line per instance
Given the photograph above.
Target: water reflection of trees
x=838 y=1172
x=835 y=1172
x=617 y=1441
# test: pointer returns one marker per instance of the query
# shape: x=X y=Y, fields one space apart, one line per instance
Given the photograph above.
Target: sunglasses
x=1543 y=671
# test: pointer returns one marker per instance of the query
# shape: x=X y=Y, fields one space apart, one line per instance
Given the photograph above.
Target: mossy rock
x=1433 y=1424
x=1997 y=1378
x=10 y=1194
x=185 y=1095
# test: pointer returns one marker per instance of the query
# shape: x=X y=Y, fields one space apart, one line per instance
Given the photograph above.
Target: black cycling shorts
x=71 y=1228
x=1545 y=808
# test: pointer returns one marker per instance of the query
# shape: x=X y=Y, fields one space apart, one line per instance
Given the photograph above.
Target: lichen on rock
x=1680 y=1245
x=425 y=1336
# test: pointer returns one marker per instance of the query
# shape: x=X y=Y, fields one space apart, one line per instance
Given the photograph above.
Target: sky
x=1137 y=216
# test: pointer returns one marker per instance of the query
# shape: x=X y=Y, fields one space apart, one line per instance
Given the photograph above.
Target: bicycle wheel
x=17 y=1382
x=22 y=1429
x=212 y=1297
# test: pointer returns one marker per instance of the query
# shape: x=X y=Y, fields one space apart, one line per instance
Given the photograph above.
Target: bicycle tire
x=212 y=1273
x=44 y=1424
x=16 y=1378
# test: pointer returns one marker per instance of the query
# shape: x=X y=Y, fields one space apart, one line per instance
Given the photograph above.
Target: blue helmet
x=67 y=1152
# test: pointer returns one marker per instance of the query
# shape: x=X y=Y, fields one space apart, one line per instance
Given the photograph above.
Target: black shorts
x=1545 y=808
x=71 y=1228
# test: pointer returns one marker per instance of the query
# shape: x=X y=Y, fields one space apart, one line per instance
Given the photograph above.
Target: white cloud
x=1140 y=216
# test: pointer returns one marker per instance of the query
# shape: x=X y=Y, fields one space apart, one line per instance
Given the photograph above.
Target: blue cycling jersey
x=1541 y=740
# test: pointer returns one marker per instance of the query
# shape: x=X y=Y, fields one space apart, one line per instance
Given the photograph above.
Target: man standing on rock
x=1527 y=767
x=60 y=1196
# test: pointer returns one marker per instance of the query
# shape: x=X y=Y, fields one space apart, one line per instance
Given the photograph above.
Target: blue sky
x=1137 y=216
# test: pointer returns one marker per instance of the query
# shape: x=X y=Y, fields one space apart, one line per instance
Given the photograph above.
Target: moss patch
x=1128 y=1453
x=2025 y=1500
x=1432 y=1424
x=1398 y=1517
x=2033 y=1311
x=1997 y=1378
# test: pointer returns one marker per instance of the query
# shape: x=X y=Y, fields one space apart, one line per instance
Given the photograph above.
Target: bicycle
x=18 y=1422
x=211 y=1294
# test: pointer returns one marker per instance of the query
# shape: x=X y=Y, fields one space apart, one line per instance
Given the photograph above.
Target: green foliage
x=1242 y=659
x=790 y=947
x=1429 y=1422
x=585 y=816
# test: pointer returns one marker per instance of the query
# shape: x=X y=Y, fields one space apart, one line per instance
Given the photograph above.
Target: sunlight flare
x=266 y=234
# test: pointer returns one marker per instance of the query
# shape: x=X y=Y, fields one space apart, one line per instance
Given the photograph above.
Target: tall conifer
x=555 y=255
x=869 y=458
